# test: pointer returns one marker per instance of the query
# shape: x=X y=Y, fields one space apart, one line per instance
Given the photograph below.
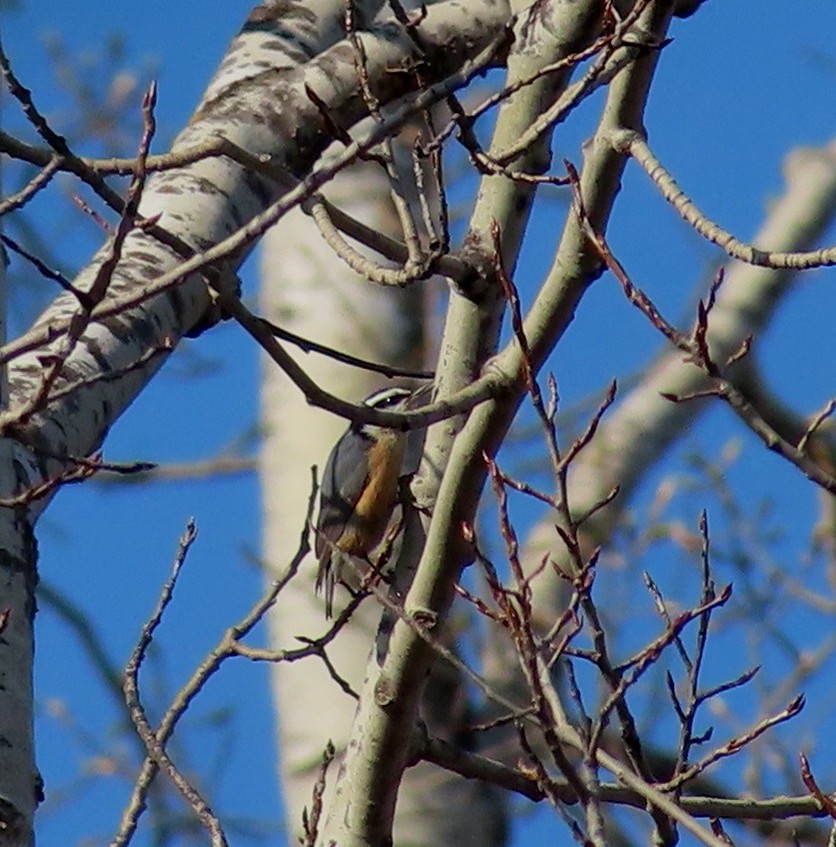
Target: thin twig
x=130 y=686
x=633 y=144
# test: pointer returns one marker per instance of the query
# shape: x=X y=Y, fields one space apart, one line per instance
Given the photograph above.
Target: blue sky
x=741 y=83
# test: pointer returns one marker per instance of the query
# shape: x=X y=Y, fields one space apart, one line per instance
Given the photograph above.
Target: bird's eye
x=394 y=400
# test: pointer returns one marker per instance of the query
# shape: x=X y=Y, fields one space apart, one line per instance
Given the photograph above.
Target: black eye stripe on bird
x=359 y=491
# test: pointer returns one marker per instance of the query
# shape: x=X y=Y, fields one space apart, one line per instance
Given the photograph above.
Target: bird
x=359 y=491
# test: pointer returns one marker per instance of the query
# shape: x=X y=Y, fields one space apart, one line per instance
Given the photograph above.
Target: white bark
x=308 y=290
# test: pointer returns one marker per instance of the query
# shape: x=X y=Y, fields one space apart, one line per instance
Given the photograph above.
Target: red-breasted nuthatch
x=358 y=492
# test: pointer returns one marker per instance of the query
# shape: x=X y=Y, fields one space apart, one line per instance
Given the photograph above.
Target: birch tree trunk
x=323 y=300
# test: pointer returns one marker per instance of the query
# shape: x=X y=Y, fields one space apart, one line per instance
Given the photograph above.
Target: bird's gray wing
x=343 y=479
